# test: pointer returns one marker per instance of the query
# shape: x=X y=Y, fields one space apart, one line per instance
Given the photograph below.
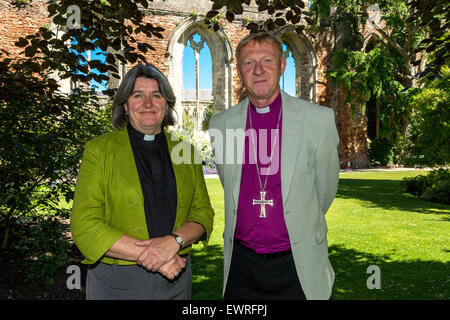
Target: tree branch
x=394 y=44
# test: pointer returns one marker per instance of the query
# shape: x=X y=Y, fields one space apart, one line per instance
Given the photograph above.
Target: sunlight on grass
x=371 y=222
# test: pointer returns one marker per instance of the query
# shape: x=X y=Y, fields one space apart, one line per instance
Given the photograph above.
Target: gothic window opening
x=197 y=78
x=288 y=82
x=301 y=65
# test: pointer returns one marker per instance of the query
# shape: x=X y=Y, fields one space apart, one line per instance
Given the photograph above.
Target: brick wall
x=20 y=21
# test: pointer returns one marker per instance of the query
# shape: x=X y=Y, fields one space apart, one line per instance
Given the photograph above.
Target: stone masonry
x=180 y=19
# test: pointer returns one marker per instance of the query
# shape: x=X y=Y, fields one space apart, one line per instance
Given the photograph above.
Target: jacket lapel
x=125 y=159
x=292 y=138
x=237 y=121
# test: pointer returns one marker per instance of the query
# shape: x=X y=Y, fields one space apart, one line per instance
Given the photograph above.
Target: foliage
x=280 y=13
x=416 y=31
x=380 y=152
x=103 y=25
x=187 y=121
x=411 y=33
x=41 y=137
x=435 y=15
x=43 y=245
x=434 y=187
x=429 y=131
x=362 y=74
x=438 y=192
x=208 y=114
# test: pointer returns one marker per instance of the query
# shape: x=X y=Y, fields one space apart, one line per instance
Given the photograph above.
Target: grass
x=371 y=222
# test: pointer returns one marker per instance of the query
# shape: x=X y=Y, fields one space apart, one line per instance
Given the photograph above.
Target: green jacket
x=108 y=201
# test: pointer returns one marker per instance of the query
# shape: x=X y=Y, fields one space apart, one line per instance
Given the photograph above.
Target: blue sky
x=96 y=54
x=205 y=68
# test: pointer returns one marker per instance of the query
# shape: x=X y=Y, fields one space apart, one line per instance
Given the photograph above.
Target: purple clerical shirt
x=269 y=234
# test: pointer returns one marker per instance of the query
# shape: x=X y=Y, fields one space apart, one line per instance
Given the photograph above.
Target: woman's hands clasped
x=160 y=255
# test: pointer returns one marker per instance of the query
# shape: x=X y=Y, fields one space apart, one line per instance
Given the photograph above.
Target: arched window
x=288 y=79
x=197 y=57
x=301 y=61
x=214 y=64
x=197 y=76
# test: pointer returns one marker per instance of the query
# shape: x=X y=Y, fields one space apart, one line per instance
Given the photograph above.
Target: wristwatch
x=179 y=240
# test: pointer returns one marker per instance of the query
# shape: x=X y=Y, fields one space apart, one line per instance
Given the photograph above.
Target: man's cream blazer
x=309 y=179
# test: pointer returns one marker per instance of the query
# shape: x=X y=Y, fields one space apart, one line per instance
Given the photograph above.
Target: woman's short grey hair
x=119 y=118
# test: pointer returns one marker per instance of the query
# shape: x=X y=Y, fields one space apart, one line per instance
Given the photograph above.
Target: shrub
x=439 y=192
x=43 y=245
x=416 y=185
x=380 y=152
x=434 y=187
x=201 y=141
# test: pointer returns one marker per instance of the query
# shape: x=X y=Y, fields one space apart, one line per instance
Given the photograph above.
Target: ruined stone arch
x=305 y=62
x=221 y=57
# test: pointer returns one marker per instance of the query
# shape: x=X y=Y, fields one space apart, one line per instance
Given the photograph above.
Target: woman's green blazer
x=108 y=201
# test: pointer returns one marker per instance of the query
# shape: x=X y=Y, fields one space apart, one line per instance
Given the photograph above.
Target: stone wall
x=180 y=19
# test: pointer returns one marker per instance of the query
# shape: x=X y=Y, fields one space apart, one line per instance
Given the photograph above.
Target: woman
x=136 y=212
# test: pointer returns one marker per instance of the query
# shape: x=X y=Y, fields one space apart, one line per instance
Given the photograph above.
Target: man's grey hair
x=119 y=118
x=259 y=37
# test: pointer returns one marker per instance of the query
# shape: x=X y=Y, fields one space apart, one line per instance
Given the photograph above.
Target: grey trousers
x=114 y=282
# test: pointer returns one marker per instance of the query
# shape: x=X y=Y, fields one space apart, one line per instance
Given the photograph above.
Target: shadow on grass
x=415 y=279
x=388 y=194
x=207 y=273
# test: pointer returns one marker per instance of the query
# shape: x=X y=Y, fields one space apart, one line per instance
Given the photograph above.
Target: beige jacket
x=309 y=180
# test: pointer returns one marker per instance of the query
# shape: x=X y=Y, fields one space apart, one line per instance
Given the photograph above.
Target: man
x=276 y=195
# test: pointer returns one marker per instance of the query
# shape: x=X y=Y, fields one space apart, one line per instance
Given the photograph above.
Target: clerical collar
x=139 y=136
x=149 y=137
x=272 y=106
x=263 y=110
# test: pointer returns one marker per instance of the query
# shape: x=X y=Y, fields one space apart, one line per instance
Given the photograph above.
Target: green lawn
x=371 y=222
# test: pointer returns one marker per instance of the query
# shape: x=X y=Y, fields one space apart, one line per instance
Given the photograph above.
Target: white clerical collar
x=149 y=137
x=262 y=110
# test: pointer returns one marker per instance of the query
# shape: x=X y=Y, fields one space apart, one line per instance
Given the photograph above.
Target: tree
x=395 y=65
x=415 y=17
x=109 y=25
x=413 y=44
x=279 y=13
x=43 y=130
x=430 y=123
x=41 y=139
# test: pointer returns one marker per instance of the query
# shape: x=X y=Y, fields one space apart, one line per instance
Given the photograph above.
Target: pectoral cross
x=262 y=202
